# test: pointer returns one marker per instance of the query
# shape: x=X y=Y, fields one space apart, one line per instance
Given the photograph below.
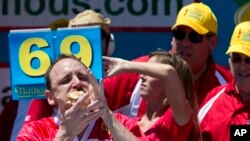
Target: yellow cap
x=197 y=16
x=240 y=41
x=90 y=17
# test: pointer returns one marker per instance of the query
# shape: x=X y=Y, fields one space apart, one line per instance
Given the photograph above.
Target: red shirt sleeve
x=42 y=130
x=39 y=108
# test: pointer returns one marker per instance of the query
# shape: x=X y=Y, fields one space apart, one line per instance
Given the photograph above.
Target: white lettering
x=15 y=13
x=240 y=132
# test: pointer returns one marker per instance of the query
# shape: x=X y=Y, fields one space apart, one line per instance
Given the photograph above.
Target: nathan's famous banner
x=139 y=13
x=33 y=50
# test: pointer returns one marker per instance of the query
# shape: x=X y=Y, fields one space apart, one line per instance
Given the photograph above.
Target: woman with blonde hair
x=167 y=87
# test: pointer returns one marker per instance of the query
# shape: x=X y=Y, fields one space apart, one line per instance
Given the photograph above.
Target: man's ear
x=50 y=97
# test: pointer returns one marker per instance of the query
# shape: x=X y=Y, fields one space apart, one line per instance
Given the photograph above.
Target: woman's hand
x=113 y=66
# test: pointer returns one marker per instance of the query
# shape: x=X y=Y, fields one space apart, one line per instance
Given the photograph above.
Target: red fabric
x=39 y=109
x=225 y=72
x=208 y=80
x=41 y=130
x=45 y=130
x=165 y=128
x=118 y=89
x=228 y=109
x=7 y=118
x=100 y=131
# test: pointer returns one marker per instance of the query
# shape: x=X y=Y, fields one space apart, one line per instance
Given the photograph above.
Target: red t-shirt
x=45 y=129
x=214 y=76
x=42 y=130
x=228 y=109
x=164 y=128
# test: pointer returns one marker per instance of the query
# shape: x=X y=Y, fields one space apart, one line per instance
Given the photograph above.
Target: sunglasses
x=193 y=37
x=235 y=58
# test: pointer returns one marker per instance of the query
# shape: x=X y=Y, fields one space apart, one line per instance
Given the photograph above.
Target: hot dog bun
x=74 y=96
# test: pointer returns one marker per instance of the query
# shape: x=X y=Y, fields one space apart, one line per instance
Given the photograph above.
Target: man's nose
x=76 y=82
x=186 y=42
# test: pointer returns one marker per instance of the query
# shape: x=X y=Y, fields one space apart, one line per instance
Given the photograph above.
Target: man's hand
x=74 y=120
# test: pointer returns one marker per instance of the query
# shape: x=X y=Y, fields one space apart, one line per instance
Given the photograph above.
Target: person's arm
x=118 y=131
x=172 y=84
x=121 y=87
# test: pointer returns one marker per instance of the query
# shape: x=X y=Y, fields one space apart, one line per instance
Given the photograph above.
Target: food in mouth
x=73 y=97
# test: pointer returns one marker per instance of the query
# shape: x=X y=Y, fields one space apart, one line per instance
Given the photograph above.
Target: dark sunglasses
x=235 y=58
x=193 y=37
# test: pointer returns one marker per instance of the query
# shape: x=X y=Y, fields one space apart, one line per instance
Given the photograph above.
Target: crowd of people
x=176 y=95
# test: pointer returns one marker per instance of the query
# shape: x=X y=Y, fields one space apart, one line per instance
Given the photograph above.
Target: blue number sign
x=33 y=50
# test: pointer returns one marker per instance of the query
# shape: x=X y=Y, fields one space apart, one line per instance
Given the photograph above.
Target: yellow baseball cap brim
x=196 y=27
x=239 y=48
